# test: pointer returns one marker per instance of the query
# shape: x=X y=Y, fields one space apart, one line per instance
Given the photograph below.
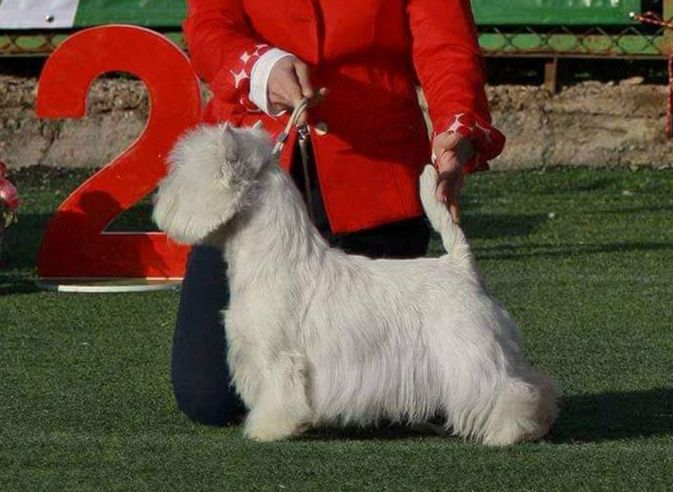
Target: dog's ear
x=245 y=153
x=198 y=194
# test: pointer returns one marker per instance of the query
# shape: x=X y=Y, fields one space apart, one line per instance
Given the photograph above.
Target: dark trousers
x=200 y=375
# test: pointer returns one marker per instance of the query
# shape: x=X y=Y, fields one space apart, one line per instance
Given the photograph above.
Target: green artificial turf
x=582 y=258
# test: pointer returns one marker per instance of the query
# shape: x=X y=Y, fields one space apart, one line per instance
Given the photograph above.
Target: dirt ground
x=588 y=124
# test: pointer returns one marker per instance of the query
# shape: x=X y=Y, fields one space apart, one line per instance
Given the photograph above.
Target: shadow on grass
x=615 y=416
x=514 y=252
x=632 y=210
x=382 y=432
x=583 y=419
x=17 y=284
x=492 y=226
x=22 y=241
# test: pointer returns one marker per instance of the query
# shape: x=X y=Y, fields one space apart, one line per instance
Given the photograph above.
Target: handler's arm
x=223 y=48
x=450 y=68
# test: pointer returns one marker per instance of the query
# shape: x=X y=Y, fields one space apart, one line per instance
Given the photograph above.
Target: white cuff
x=259 y=78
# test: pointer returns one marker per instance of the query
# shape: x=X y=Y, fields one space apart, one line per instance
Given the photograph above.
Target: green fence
x=555 y=12
x=169 y=13
x=161 y=14
x=548 y=28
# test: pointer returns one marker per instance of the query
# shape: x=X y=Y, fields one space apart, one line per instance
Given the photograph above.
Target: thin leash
x=654 y=19
x=303 y=135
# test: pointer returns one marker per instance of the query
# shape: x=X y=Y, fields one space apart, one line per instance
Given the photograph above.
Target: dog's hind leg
x=281 y=409
x=524 y=411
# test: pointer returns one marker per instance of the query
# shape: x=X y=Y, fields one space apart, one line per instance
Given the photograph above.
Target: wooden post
x=551 y=75
x=667 y=15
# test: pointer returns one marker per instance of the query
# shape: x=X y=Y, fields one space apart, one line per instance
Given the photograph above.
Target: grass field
x=583 y=259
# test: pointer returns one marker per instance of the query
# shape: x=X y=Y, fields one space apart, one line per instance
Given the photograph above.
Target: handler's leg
x=200 y=373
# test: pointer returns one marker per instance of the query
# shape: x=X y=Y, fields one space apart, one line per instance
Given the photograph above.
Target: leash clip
x=302 y=130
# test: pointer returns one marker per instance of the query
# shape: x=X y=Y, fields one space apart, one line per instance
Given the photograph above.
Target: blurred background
x=571 y=82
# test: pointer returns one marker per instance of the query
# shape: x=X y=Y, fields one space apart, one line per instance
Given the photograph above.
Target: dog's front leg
x=281 y=409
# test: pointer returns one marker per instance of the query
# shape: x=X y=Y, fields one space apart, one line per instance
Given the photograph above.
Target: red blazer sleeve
x=450 y=68
x=223 y=48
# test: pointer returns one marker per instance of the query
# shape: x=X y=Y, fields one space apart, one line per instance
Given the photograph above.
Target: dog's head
x=211 y=177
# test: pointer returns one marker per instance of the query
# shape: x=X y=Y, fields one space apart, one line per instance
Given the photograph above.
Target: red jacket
x=370 y=55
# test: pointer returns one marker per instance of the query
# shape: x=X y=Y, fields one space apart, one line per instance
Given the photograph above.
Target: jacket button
x=321 y=128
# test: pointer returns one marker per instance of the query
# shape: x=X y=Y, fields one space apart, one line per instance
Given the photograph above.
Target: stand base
x=108 y=285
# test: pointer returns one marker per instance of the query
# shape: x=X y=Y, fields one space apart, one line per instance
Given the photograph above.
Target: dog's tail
x=453 y=238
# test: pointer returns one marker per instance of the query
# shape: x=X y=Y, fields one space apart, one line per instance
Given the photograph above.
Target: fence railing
x=558 y=28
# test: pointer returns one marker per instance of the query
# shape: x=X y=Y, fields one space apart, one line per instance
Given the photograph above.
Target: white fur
x=318 y=337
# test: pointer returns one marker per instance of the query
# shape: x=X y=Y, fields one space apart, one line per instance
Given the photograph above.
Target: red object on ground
x=370 y=139
x=75 y=243
x=8 y=194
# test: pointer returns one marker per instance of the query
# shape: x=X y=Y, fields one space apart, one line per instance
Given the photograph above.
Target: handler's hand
x=289 y=82
x=452 y=151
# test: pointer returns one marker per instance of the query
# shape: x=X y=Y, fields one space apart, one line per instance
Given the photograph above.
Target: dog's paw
x=273 y=429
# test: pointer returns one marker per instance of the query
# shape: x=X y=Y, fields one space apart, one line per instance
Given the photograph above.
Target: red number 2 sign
x=75 y=243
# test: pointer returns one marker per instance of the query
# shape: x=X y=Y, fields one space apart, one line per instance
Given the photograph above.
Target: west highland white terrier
x=321 y=338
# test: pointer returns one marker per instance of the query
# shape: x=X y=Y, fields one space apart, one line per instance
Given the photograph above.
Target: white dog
x=318 y=337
